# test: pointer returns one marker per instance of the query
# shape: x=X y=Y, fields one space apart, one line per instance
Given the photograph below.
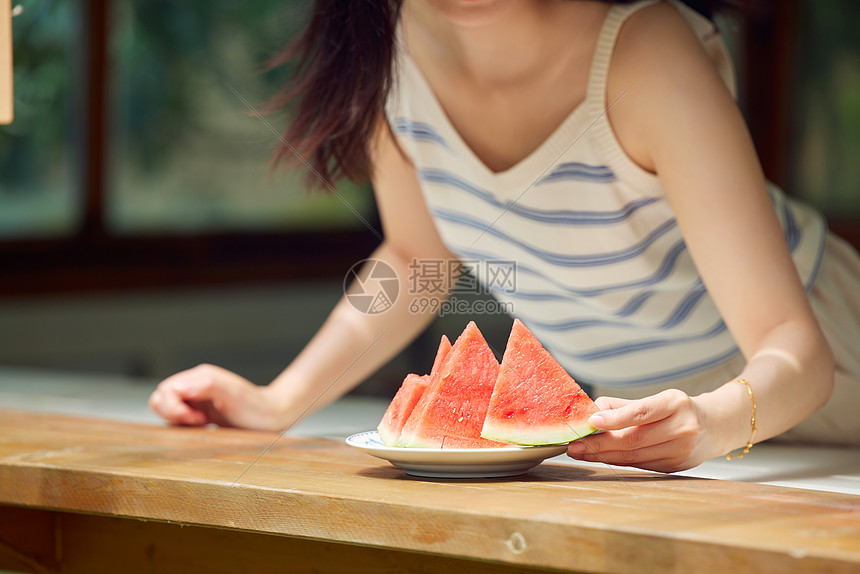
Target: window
x=825 y=126
x=39 y=151
x=133 y=161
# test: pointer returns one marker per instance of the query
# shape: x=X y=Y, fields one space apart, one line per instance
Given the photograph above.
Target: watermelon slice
x=535 y=401
x=441 y=354
x=451 y=412
x=407 y=397
x=401 y=406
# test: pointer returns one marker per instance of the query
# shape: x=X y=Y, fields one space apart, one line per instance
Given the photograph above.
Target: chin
x=470 y=12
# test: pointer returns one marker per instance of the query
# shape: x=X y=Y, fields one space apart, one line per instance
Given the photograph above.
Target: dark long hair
x=343 y=67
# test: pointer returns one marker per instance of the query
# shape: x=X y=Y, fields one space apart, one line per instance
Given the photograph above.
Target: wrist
x=727 y=412
x=280 y=404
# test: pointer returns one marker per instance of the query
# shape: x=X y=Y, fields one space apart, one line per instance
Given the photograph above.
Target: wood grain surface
x=558 y=516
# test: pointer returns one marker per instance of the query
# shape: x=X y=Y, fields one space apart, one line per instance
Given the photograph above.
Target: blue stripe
x=556 y=216
x=419 y=131
x=667 y=375
x=643 y=345
x=820 y=255
x=794 y=235
x=792 y=232
x=583 y=167
x=533 y=295
x=635 y=303
x=559 y=259
x=667 y=266
x=572 y=324
x=677 y=316
x=579 y=172
x=683 y=310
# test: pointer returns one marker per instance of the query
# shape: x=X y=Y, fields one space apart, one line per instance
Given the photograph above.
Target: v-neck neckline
x=529 y=169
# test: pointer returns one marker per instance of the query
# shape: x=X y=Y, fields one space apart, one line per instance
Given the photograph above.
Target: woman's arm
x=350 y=345
x=679 y=121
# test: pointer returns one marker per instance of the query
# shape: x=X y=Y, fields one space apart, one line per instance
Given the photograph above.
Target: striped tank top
x=601 y=273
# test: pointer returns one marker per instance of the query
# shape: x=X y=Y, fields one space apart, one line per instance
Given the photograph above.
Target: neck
x=499 y=44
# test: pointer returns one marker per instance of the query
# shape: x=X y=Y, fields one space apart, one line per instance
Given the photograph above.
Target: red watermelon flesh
x=535 y=401
x=401 y=406
x=451 y=412
x=407 y=397
x=441 y=354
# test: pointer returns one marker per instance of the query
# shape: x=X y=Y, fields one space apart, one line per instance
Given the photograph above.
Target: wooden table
x=91 y=495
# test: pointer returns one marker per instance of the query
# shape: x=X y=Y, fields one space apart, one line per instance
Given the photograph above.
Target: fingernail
x=576 y=448
x=596 y=420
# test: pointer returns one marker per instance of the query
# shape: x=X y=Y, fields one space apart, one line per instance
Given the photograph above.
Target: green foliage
x=46 y=82
x=165 y=53
x=826 y=132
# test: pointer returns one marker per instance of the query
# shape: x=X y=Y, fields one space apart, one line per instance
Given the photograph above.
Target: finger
x=674 y=427
x=631 y=438
x=202 y=383
x=606 y=403
x=639 y=457
x=643 y=411
x=155 y=401
x=670 y=465
x=213 y=412
x=666 y=465
x=177 y=411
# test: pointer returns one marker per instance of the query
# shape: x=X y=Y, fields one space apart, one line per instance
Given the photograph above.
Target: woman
x=599 y=146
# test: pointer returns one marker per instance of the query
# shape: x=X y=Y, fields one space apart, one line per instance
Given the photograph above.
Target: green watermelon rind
x=388 y=438
x=536 y=436
x=385 y=436
x=412 y=443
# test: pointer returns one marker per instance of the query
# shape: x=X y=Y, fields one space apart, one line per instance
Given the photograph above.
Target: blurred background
x=142 y=231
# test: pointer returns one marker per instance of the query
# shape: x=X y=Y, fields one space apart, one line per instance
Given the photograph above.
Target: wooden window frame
x=93 y=260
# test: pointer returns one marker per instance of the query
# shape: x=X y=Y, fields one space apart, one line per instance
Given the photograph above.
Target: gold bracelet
x=752 y=420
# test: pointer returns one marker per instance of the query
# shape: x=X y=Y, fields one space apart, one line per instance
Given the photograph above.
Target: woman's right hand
x=208 y=394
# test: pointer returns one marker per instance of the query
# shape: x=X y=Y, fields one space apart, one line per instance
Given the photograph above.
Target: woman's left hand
x=666 y=432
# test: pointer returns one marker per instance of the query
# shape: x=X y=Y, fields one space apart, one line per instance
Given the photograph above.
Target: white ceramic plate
x=457 y=462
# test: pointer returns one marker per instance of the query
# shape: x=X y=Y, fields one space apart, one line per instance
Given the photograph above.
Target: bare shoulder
x=655 y=37
x=661 y=67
